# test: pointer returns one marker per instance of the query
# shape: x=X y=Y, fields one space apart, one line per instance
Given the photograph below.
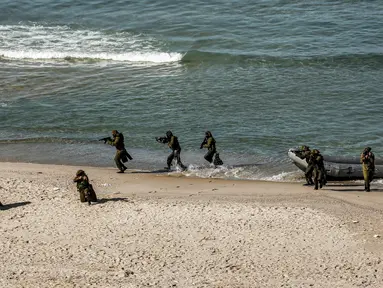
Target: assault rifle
x=162 y=140
x=105 y=139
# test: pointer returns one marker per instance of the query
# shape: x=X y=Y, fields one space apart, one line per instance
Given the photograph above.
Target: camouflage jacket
x=210 y=144
x=304 y=155
x=118 y=142
x=368 y=160
x=174 y=144
x=316 y=160
x=82 y=182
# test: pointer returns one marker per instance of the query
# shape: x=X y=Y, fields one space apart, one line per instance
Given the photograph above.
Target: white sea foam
x=62 y=43
x=281 y=177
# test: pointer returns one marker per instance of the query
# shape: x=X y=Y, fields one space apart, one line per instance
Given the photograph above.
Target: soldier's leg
x=209 y=156
x=309 y=174
x=365 y=176
x=117 y=159
x=316 y=176
x=177 y=154
x=82 y=195
x=170 y=159
x=87 y=195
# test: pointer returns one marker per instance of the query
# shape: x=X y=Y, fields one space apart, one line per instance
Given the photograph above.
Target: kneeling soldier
x=85 y=189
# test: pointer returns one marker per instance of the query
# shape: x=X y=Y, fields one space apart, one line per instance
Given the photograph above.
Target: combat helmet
x=169 y=134
x=80 y=172
x=315 y=151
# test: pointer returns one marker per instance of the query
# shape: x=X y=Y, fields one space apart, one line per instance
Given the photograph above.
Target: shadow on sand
x=152 y=172
x=104 y=200
x=14 y=205
x=357 y=188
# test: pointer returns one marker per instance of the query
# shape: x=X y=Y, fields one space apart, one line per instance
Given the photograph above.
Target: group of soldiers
x=315 y=164
x=122 y=155
x=87 y=193
x=315 y=167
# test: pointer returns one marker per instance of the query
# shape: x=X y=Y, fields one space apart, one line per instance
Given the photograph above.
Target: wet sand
x=156 y=230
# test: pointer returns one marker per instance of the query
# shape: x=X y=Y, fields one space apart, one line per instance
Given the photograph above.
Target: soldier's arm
x=209 y=142
x=114 y=141
x=78 y=178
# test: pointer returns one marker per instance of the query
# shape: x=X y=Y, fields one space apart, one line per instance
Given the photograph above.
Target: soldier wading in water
x=175 y=146
x=209 y=143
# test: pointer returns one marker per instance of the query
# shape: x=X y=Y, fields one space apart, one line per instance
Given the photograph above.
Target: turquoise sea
x=263 y=76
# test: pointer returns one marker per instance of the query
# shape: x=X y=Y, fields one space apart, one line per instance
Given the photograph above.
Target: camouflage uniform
x=367 y=158
x=209 y=143
x=118 y=142
x=316 y=159
x=305 y=153
x=175 y=146
x=84 y=187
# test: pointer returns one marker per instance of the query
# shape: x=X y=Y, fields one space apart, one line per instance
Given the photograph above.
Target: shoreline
x=156 y=230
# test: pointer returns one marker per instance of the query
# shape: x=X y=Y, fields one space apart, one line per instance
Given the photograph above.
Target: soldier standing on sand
x=121 y=154
x=316 y=159
x=367 y=158
x=304 y=153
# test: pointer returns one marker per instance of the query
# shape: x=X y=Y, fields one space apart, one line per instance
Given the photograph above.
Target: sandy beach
x=156 y=230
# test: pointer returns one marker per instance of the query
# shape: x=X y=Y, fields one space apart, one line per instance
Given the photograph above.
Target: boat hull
x=339 y=167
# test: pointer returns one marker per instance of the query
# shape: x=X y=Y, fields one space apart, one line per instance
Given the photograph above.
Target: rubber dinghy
x=339 y=167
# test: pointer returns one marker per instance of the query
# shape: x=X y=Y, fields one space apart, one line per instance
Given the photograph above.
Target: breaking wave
x=65 y=44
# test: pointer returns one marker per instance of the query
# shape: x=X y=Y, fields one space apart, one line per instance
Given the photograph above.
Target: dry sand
x=155 y=230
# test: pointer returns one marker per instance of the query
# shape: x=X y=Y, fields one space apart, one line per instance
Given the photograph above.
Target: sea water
x=262 y=76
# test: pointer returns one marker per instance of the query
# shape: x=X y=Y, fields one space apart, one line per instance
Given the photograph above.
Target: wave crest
x=63 y=43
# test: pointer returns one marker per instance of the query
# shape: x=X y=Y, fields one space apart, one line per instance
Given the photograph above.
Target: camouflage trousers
x=368 y=175
x=209 y=156
x=176 y=154
x=319 y=177
x=87 y=195
x=117 y=160
x=309 y=174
